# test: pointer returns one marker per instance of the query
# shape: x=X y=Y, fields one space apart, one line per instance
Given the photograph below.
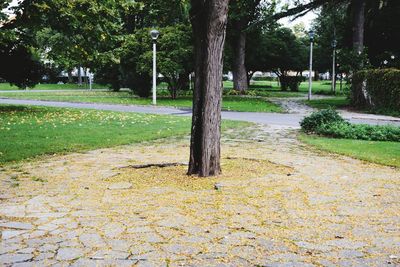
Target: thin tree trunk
x=239 y=71
x=70 y=78
x=358 y=25
x=249 y=77
x=208 y=18
x=79 y=76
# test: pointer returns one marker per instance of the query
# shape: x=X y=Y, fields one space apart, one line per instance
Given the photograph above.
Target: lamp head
x=334 y=43
x=154 y=34
x=311 y=34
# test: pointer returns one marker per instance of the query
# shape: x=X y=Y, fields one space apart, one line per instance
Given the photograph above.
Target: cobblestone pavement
x=296 y=207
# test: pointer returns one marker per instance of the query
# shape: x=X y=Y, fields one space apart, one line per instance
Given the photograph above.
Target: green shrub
x=291 y=82
x=311 y=123
x=329 y=123
x=376 y=89
x=233 y=92
x=360 y=131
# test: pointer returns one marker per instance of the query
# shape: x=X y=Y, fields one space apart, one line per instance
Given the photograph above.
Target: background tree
x=20 y=61
x=382 y=35
x=241 y=14
x=329 y=25
x=131 y=56
x=175 y=57
x=279 y=51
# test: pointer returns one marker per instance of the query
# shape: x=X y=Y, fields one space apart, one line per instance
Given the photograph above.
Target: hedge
x=330 y=124
x=376 y=89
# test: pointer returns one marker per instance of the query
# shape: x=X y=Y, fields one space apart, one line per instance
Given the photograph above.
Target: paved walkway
x=279 y=204
x=288 y=119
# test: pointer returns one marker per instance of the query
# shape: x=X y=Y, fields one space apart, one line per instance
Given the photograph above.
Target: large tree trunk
x=239 y=71
x=358 y=25
x=209 y=19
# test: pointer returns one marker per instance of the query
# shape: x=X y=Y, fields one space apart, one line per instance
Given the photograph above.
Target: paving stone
x=105 y=263
x=17 y=225
x=46 y=215
x=110 y=254
x=313 y=246
x=12 y=211
x=119 y=245
x=91 y=240
x=120 y=186
x=285 y=257
x=14 y=258
x=113 y=230
x=26 y=251
x=181 y=249
x=48 y=247
x=45 y=256
x=7 y=234
x=8 y=248
x=290 y=264
x=34 y=234
x=67 y=254
x=140 y=229
x=345 y=243
x=47 y=227
x=346 y=254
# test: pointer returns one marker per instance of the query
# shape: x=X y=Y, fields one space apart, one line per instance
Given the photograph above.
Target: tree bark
x=249 y=77
x=70 y=78
x=239 y=71
x=358 y=25
x=79 y=76
x=208 y=18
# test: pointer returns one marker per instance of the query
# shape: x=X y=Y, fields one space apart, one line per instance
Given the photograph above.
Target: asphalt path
x=275 y=119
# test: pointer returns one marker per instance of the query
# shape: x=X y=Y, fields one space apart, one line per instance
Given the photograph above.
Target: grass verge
x=234 y=103
x=44 y=86
x=325 y=103
x=28 y=132
x=385 y=153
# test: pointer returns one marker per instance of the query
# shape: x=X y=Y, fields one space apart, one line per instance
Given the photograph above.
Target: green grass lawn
x=27 y=132
x=8 y=87
x=386 y=153
x=235 y=103
x=334 y=102
x=319 y=87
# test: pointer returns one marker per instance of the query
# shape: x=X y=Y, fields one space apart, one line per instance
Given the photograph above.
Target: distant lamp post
x=90 y=76
x=385 y=62
x=334 y=44
x=311 y=35
x=154 y=36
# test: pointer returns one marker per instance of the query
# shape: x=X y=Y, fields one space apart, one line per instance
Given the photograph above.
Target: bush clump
x=311 y=123
x=329 y=123
x=291 y=82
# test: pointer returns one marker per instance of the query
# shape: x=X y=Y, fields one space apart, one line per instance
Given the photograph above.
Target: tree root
x=159 y=165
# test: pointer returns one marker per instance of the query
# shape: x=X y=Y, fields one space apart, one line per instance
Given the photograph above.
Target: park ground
x=73 y=192
x=279 y=203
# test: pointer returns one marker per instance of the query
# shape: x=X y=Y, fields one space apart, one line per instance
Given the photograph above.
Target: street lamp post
x=154 y=35
x=334 y=44
x=311 y=35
